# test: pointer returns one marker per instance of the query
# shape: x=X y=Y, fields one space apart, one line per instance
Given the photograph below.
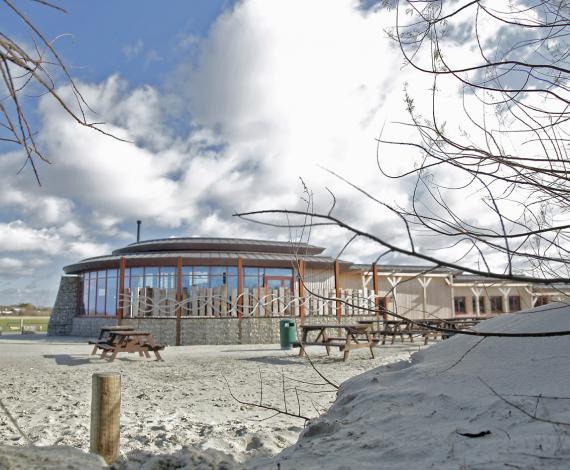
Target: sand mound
x=497 y=404
x=48 y=458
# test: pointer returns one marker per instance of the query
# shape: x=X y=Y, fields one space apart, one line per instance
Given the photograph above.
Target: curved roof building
x=167 y=285
x=208 y=252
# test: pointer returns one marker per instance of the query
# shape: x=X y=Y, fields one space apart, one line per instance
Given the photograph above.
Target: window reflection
x=152 y=290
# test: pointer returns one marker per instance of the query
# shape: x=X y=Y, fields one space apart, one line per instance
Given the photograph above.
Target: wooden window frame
x=518 y=302
x=455 y=304
x=500 y=299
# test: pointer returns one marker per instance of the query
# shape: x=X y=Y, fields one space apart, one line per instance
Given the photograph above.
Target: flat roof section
x=219 y=244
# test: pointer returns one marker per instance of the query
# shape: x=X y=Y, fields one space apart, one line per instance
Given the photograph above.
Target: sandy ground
x=182 y=401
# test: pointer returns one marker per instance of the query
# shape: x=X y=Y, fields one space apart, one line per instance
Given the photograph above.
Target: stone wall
x=163 y=329
x=201 y=330
x=65 y=307
x=90 y=326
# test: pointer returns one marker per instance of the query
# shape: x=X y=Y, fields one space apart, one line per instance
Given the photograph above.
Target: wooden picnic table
x=454 y=323
x=356 y=336
x=128 y=340
x=104 y=335
x=392 y=328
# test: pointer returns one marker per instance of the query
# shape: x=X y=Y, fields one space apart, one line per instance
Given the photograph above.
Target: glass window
x=92 y=295
x=217 y=281
x=186 y=280
x=200 y=276
x=168 y=278
x=481 y=304
x=232 y=282
x=134 y=278
x=514 y=303
x=111 y=300
x=218 y=276
x=101 y=290
x=84 y=305
x=136 y=271
x=251 y=278
x=460 y=305
x=217 y=270
x=496 y=302
x=250 y=282
x=150 y=277
x=278 y=272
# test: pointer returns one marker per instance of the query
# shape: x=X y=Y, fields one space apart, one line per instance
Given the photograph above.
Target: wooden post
x=240 y=287
x=424 y=282
x=337 y=287
x=452 y=295
x=120 y=311
x=375 y=289
x=301 y=290
x=178 y=299
x=105 y=415
x=477 y=291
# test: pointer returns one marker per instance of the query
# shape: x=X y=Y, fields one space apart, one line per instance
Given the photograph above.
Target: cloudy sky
x=225 y=105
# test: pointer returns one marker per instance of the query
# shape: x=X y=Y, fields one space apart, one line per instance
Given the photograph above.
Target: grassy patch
x=14 y=324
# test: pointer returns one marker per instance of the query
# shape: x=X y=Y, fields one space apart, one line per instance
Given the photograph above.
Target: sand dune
x=448 y=408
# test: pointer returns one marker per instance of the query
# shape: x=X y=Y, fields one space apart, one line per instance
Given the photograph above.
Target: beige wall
x=490 y=291
x=351 y=280
x=319 y=278
x=409 y=298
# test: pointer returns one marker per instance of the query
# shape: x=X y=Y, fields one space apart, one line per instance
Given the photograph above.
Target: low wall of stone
x=163 y=329
x=65 y=307
x=201 y=330
x=90 y=326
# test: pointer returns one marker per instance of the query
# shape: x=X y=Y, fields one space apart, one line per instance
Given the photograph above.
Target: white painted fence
x=257 y=302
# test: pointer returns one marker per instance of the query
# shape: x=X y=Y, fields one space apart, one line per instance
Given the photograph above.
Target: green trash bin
x=287 y=333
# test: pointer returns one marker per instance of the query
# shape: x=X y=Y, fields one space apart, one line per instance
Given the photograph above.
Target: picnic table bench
x=455 y=324
x=356 y=336
x=104 y=337
x=113 y=340
x=393 y=328
x=425 y=328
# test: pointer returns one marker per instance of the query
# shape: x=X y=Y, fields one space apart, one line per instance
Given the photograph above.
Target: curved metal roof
x=207 y=258
x=220 y=245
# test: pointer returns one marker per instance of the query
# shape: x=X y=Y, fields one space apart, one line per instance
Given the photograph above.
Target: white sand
x=183 y=401
x=411 y=415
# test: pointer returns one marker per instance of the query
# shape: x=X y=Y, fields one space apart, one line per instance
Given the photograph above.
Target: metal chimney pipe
x=139 y=230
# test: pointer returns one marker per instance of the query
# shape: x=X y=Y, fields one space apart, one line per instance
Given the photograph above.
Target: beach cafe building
x=235 y=291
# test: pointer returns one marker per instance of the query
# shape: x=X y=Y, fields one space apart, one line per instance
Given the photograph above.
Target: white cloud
x=10 y=264
x=131 y=51
x=85 y=249
x=273 y=95
x=279 y=88
x=16 y=236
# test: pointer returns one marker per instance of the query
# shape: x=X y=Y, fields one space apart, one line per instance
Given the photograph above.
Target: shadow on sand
x=290 y=360
x=252 y=350
x=81 y=359
x=71 y=359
